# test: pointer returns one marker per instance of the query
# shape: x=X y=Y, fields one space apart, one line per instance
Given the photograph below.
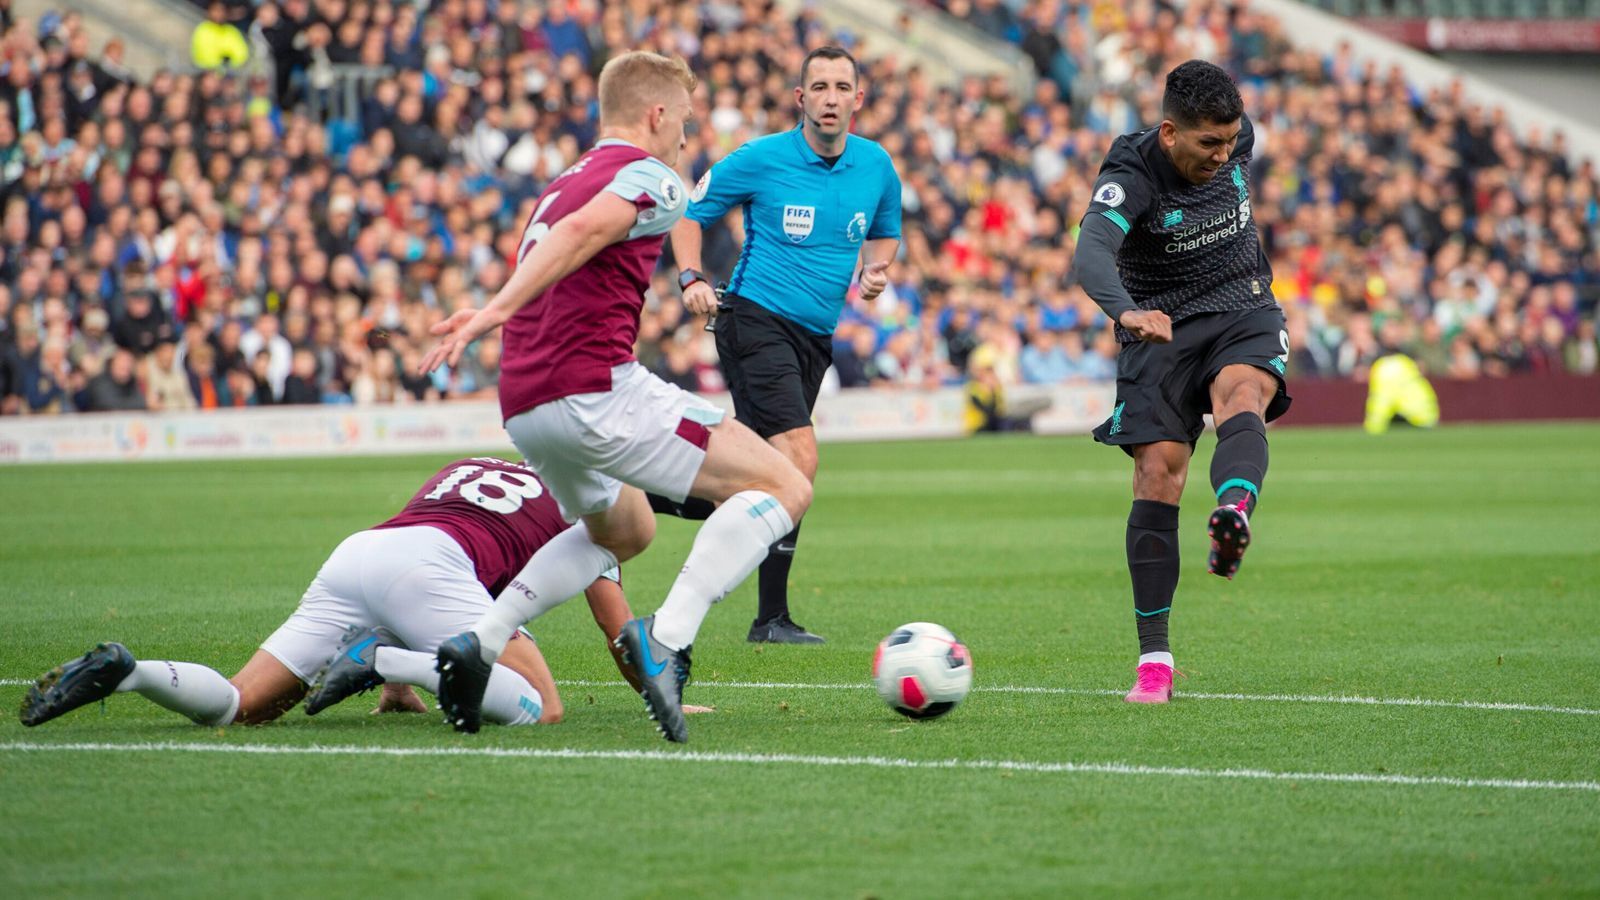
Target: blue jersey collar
x=810 y=156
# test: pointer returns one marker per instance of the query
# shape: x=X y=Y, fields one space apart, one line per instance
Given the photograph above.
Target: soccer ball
x=921 y=670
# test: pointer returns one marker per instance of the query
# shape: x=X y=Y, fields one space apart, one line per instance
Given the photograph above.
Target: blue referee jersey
x=803 y=221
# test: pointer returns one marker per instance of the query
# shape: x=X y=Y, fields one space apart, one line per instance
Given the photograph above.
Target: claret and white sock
x=732 y=542
x=199 y=692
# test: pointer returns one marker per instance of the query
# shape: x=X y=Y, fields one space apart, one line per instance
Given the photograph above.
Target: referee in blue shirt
x=819 y=205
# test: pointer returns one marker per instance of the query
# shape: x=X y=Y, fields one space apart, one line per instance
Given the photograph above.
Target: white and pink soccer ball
x=921 y=670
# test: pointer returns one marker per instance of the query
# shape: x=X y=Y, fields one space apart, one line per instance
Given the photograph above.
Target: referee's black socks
x=1153 y=565
x=773 y=588
x=692 y=508
x=1239 y=466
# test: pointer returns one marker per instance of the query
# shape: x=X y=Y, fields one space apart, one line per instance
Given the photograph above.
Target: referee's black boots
x=781 y=630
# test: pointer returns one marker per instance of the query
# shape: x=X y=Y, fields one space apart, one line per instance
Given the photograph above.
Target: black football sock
x=692 y=508
x=1239 y=466
x=1153 y=565
x=774 y=580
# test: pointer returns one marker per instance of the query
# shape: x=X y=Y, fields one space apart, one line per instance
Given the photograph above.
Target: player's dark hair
x=1199 y=92
x=829 y=52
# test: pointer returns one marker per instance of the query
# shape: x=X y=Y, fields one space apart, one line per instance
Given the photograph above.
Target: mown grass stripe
x=795 y=759
x=1339 y=699
x=1178 y=695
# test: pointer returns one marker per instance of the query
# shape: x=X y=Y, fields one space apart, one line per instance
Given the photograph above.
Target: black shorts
x=1164 y=390
x=773 y=365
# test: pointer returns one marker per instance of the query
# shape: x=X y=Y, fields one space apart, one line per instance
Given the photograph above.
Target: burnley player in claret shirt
x=376 y=611
x=599 y=428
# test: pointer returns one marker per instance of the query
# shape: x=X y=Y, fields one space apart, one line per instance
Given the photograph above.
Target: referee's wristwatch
x=688 y=277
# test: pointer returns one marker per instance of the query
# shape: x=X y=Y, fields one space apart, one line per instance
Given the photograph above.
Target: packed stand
x=217 y=239
x=1394 y=219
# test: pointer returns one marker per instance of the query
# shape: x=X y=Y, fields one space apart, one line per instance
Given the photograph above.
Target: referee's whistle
x=711 y=320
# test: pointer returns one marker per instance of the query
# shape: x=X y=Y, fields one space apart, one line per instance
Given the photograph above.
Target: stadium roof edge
x=945 y=48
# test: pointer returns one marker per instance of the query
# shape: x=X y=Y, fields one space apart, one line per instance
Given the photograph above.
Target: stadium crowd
x=219 y=238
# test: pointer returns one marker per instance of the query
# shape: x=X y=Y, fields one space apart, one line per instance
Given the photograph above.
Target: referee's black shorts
x=773 y=365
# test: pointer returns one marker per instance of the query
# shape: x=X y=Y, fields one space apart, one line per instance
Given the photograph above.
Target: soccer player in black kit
x=1169 y=250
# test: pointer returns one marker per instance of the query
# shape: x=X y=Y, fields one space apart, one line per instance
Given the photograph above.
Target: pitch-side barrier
x=863 y=415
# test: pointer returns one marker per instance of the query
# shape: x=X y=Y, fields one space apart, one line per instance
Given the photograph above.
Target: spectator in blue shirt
x=1043 y=361
x=566 y=36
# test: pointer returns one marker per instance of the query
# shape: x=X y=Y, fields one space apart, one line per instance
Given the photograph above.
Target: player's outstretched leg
x=760 y=495
x=353 y=669
x=1238 y=469
x=196 y=691
x=93 y=676
x=662 y=674
x=730 y=545
x=463 y=679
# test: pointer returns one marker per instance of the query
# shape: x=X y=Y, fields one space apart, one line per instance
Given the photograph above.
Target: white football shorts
x=415 y=581
x=644 y=432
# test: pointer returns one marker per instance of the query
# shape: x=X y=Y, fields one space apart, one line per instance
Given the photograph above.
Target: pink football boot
x=1152 y=685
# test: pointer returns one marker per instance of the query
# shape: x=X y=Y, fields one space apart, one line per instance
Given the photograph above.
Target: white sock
x=509 y=699
x=559 y=571
x=1164 y=658
x=732 y=542
x=412 y=667
x=198 y=692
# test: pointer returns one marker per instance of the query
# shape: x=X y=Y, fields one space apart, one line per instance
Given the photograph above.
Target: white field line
x=792 y=759
x=1181 y=694
x=1106 y=692
x=959 y=480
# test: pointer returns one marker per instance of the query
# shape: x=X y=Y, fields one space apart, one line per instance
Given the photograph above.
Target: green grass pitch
x=1459 y=565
